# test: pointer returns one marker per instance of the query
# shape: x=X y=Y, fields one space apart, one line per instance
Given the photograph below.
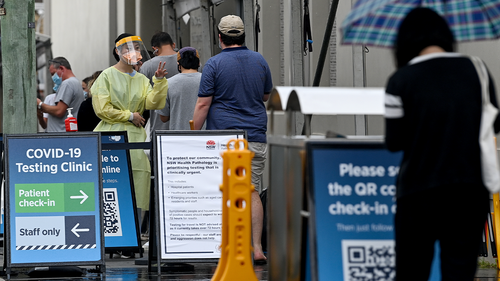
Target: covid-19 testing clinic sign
x=53 y=188
x=353 y=187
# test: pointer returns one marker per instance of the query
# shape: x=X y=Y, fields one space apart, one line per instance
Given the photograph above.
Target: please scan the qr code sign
x=368 y=260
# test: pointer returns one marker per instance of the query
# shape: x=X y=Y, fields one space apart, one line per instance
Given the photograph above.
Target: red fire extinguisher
x=71 y=125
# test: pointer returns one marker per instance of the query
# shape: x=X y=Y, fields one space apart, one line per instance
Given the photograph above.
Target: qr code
x=368 y=260
x=111 y=213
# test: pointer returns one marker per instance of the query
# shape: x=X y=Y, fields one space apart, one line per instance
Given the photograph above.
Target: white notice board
x=189 y=173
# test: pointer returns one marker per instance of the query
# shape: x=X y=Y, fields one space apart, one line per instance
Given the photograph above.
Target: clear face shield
x=131 y=50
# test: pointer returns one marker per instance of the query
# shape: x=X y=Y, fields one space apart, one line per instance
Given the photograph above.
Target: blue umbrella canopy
x=376 y=22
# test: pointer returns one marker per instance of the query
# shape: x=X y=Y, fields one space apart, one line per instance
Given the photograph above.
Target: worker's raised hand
x=161 y=71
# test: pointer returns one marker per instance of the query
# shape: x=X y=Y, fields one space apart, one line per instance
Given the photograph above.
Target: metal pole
x=326 y=40
x=359 y=80
x=249 y=21
x=297 y=63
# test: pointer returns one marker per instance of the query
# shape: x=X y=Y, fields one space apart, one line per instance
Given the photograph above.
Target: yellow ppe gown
x=114 y=96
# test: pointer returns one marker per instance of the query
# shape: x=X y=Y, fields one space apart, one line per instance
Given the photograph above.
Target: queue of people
x=230 y=94
x=169 y=89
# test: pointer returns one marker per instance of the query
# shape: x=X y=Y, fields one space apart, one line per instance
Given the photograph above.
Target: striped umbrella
x=376 y=22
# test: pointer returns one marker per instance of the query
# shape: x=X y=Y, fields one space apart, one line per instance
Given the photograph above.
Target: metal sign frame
x=138 y=248
x=158 y=200
x=68 y=137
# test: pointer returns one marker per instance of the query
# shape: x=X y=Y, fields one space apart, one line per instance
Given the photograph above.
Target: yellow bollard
x=236 y=260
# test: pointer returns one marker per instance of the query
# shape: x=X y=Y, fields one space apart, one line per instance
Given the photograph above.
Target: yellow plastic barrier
x=236 y=261
x=496 y=219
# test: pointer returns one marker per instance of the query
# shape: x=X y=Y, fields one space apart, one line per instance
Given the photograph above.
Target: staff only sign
x=53 y=191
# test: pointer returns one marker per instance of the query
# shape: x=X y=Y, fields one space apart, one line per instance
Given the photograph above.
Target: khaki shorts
x=258 y=162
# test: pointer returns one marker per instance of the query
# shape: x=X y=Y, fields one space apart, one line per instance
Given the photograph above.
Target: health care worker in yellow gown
x=119 y=97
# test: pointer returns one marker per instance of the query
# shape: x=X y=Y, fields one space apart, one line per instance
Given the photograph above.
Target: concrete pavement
x=123 y=269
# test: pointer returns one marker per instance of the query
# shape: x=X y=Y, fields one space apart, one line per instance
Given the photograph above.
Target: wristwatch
x=40 y=105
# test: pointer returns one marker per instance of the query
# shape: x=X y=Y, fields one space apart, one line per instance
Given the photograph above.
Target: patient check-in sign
x=53 y=188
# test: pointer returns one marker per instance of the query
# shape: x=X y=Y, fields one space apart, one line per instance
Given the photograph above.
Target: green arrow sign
x=79 y=197
x=55 y=197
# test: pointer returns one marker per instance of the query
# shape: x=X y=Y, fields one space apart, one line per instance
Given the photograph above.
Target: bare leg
x=257 y=224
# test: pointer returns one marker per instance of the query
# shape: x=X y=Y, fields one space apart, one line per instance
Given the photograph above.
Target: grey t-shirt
x=181 y=99
x=148 y=69
x=71 y=93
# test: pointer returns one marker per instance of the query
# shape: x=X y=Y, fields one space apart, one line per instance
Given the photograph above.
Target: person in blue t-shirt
x=233 y=88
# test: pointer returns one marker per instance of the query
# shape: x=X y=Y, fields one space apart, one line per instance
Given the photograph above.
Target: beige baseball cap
x=231 y=25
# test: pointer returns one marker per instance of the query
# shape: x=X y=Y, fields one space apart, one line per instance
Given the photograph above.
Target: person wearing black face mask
x=182 y=90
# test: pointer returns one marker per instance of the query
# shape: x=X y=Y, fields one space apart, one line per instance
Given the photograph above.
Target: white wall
x=83 y=31
x=80 y=32
x=489 y=51
x=380 y=63
x=148 y=20
x=125 y=17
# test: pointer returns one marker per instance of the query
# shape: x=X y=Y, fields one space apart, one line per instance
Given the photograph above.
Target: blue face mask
x=85 y=95
x=57 y=81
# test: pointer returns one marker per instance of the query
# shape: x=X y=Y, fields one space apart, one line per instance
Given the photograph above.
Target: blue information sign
x=53 y=190
x=120 y=219
x=352 y=189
